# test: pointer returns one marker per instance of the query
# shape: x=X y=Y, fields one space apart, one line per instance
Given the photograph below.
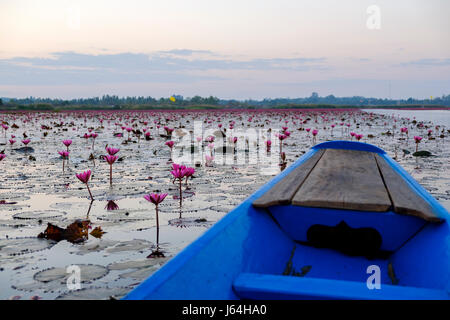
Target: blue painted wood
x=331 y=264
x=424 y=261
x=297 y=220
x=349 y=145
x=272 y=287
x=248 y=240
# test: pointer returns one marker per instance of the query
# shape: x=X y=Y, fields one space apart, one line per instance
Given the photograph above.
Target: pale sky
x=230 y=49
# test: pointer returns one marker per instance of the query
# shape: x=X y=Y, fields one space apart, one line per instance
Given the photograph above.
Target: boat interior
x=343 y=222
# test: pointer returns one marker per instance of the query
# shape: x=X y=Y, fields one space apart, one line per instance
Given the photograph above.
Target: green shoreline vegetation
x=177 y=102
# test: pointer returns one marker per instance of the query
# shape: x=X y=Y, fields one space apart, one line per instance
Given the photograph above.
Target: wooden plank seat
x=277 y=287
x=283 y=191
x=349 y=180
x=344 y=179
x=404 y=199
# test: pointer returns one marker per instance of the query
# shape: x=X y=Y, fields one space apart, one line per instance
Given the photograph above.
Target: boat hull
x=251 y=253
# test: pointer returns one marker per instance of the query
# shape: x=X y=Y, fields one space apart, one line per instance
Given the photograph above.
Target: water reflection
x=111 y=205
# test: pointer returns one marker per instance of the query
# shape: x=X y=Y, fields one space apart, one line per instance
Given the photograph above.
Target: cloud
x=178 y=66
x=426 y=63
x=186 y=52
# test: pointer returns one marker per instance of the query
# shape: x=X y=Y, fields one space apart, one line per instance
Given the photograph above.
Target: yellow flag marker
x=172 y=99
x=431 y=97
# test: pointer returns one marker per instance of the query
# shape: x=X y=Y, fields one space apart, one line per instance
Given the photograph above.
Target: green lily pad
x=422 y=154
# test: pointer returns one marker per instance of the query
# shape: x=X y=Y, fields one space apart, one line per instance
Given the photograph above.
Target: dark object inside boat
x=351 y=241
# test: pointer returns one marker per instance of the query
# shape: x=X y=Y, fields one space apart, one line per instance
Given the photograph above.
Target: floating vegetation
x=117 y=231
x=19 y=246
x=88 y=273
x=422 y=154
x=95 y=293
x=76 y=232
x=190 y=222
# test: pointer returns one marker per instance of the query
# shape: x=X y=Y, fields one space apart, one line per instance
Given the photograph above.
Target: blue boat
x=344 y=221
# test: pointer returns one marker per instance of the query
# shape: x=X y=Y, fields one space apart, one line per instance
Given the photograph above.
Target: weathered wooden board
x=344 y=179
x=284 y=190
x=404 y=199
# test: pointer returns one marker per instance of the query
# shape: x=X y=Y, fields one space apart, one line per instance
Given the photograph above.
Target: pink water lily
x=170 y=145
x=417 y=139
x=67 y=142
x=405 y=130
x=84 y=177
x=2 y=156
x=128 y=129
x=26 y=141
x=156 y=199
x=93 y=136
x=179 y=172
x=209 y=160
x=189 y=173
x=168 y=130
x=111 y=151
x=314 y=133
x=268 y=145
x=64 y=155
x=110 y=159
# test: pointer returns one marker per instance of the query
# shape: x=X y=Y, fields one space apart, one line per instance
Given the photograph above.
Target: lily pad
x=137 y=264
x=190 y=222
x=19 y=246
x=88 y=273
x=95 y=294
x=49 y=214
x=132 y=245
x=422 y=154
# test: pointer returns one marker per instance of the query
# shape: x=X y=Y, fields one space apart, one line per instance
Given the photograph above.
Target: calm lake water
x=438 y=117
x=36 y=191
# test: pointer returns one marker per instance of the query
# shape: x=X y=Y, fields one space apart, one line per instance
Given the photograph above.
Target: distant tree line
x=343 y=101
x=178 y=101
